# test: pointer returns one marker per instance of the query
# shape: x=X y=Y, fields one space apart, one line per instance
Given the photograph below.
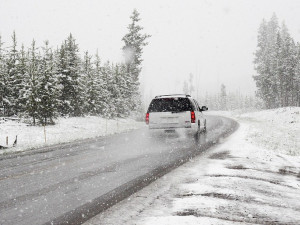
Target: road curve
x=70 y=183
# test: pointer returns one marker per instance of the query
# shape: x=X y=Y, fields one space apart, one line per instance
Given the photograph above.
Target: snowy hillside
x=277 y=129
x=252 y=177
x=65 y=130
x=274 y=129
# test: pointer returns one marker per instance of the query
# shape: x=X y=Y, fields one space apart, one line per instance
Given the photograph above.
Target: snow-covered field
x=65 y=130
x=276 y=129
x=251 y=178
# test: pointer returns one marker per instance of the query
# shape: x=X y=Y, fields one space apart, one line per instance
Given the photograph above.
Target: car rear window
x=170 y=105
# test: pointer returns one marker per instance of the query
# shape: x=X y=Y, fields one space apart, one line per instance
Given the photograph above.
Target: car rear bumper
x=188 y=127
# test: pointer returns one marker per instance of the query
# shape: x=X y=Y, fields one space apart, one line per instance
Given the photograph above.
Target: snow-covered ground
x=276 y=129
x=65 y=130
x=253 y=177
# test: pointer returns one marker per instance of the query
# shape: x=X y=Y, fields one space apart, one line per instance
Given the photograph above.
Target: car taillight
x=147 y=118
x=193 y=118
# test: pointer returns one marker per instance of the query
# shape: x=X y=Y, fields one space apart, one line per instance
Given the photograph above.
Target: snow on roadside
x=65 y=130
x=242 y=181
x=277 y=129
x=274 y=129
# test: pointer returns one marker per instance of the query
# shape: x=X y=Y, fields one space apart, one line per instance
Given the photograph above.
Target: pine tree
x=114 y=91
x=48 y=91
x=101 y=86
x=61 y=64
x=33 y=84
x=134 y=41
x=72 y=101
x=223 y=98
x=191 y=82
x=110 y=110
x=297 y=77
x=266 y=62
x=279 y=71
x=3 y=78
x=24 y=75
x=91 y=84
x=119 y=90
x=289 y=57
x=273 y=29
x=185 y=87
x=261 y=61
x=125 y=87
x=12 y=82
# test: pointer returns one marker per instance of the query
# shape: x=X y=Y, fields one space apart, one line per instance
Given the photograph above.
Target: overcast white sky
x=214 y=40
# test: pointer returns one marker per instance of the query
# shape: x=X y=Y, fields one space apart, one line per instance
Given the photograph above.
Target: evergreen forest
x=42 y=82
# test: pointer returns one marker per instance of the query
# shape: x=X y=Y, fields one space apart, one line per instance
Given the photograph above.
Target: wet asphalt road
x=70 y=183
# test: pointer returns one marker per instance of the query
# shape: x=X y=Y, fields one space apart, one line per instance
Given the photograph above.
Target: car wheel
x=204 y=129
x=197 y=133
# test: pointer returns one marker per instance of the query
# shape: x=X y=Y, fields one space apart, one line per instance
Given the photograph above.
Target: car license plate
x=169 y=120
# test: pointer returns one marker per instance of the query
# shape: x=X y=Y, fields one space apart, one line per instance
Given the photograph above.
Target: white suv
x=170 y=112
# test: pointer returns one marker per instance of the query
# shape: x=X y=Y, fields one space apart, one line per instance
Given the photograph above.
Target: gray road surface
x=70 y=183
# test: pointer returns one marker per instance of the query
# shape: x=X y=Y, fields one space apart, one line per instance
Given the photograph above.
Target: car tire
x=204 y=129
x=198 y=132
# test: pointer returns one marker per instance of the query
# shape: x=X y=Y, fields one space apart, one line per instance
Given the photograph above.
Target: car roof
x=173 y=96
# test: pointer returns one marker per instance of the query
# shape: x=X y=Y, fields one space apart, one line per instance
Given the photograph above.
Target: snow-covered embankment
x=65 y=130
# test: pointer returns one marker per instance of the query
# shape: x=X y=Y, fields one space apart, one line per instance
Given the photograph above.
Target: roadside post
x=45 y=133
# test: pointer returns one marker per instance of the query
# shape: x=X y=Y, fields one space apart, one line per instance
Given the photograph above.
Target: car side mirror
x=204 y=108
